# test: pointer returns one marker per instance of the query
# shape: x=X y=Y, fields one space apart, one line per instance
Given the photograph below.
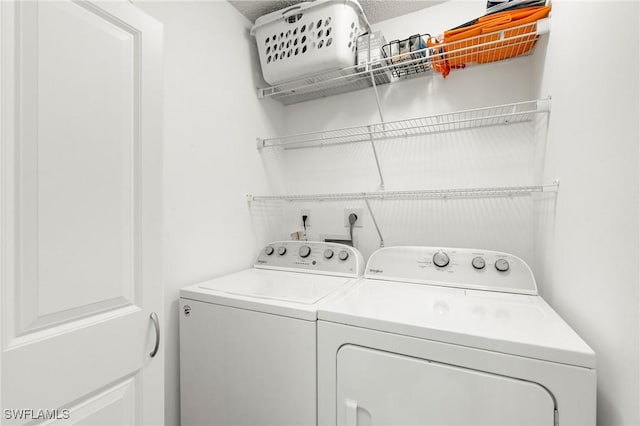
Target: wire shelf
x=518 y=112
x=499 y=45
x=507 y=191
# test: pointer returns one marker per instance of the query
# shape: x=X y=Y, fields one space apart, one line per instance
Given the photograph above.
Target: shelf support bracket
x=375 y=91
x=375 y=222
x=375 y=155
x=543 y=105
x=551 y=187
x=543 y=26
x=373 y=145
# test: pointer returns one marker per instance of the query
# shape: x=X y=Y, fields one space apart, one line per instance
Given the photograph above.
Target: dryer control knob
x=343 y=255
x=441 y=259
x=328 y=254
x=502 y=265
x=268 y=250
x=478 y=262
x=282 y=250
x=304 y=251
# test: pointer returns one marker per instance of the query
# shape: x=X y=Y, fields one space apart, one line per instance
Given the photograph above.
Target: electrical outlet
x=305 y=212
x=359 y=221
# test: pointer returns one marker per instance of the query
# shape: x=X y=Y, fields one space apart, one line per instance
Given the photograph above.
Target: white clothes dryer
x=450 y=337
x=248 y=339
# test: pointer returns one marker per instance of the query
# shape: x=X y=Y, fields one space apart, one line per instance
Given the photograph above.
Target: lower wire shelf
x=507 y=191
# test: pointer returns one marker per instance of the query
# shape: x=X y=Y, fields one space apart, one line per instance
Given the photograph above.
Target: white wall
x=500 y=156
x=584 y=244
x=212 y=117
x=591 y=255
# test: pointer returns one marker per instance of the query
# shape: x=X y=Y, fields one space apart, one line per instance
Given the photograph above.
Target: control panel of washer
x=453 y=267
x=312 y=256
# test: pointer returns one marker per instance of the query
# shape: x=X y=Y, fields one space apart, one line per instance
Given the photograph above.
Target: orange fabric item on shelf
x=438 y=61
x=462 y=43
x=520 y=39
x=481 y=42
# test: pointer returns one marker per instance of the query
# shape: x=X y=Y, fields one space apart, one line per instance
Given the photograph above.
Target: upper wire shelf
x=473 y=118
x=508 y=43
x=508 y=191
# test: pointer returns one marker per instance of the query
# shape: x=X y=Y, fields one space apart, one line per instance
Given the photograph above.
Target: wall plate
x=358 y=212
x=302 y=213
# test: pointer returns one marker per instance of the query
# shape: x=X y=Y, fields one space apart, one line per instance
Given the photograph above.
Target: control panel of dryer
x=311 y=256
x=453 y=267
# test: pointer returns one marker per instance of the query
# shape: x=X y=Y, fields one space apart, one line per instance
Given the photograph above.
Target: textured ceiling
x=374 y=10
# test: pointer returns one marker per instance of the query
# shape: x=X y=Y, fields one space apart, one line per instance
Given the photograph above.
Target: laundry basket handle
x=291 y=9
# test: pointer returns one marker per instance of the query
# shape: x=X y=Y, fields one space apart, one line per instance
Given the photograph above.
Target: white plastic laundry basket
x=308 y=38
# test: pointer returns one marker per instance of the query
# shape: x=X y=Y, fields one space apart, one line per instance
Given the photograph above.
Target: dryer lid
x=516 y=324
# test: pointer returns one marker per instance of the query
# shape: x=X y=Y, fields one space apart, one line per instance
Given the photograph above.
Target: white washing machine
x=248 y=339
x=450 y=337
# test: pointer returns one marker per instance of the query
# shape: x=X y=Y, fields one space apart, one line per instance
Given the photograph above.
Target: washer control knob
x=441 y=259
x=502 y=265
x=478 y=262
x=268 y=250
x=282 y=250
x=343 y=255
x=304 y=251
x=328 y=254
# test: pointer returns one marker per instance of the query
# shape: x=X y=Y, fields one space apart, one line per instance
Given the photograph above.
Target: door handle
x=156 y=324
x=351 y=412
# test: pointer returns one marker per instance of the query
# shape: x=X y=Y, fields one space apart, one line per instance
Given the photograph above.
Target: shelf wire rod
x=375 y=156
x=375 y=91
x=375 y=222
x=416 y=194
x=369 y=128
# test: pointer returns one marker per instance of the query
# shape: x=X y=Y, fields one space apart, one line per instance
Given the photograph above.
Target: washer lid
x=278 y=292
x=517 y=324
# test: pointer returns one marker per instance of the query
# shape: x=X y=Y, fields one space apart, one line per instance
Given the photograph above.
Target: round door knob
x=441 y=259
x=282 y=250
x=304 y=251
x=502 y=265
x=268 y=250
x=328 y=254
x=478 y=262
x=343 y=255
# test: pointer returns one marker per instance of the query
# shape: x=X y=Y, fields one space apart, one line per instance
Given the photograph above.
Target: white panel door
x=380 y=388
x=81 y=108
